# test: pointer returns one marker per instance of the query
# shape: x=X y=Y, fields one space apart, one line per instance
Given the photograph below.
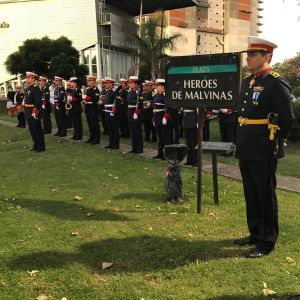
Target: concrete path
x=283 y=182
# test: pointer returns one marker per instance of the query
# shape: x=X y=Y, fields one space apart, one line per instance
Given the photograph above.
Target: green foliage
x=295 y=132
x=290 y=69
x=245 y=71
x=47 y=57
x=153 y=43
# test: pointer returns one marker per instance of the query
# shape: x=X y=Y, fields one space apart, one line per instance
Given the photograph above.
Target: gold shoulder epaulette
x=35 y=85
x=274 y=74
x=247 y=76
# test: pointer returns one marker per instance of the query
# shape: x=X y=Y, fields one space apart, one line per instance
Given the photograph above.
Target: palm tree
x=152 y=44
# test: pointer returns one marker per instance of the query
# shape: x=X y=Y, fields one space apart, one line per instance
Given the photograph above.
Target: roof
x=132 y=7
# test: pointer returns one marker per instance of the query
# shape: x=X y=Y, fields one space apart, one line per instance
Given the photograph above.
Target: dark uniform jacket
x=159 y=103
x=135 y=99
x=269 y=93
x=124 y=105
x=19 y=97
x=148 y=112
x=11 y=95
x=112 y=102
x=92 y=99
x=190 y=119
x=46 y=97
x=34 y=98
x=59 y=95
x=76 y=100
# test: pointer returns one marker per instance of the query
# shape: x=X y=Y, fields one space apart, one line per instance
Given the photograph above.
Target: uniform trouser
x=46 y=120
x=206 y=130
x=191 y=136
x=77 y=123
x=163 y=132
x=228 y=132
x=94 y=128
x=149 y=130
x=69 y=122
x=136 y=133
x=259 y=181
x=124 y=125
x=104 y=124
x=61 y=121
x=21 y=119
x=113 y=132
x=175 y=130
x=37 y=133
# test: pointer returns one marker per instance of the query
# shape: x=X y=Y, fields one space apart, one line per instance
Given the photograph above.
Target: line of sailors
x=123 y=111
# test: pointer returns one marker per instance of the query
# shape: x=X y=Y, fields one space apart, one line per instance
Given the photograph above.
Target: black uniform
x=47 y=110
x=228 y=125
x=163 y=131
x=102 y=114
x=175 y=125
x=124 y=124
x=135 y=105
x=147 y=116
x=92 y=114
x=112 y=106
x=258 y=154
x=11 y=95
x=19 y=98
x=60 y=111
x=190 y=118
x=69 y=92
x=75 y=113
x=33 y=100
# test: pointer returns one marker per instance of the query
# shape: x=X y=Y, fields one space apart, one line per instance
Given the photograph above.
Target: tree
x=47 y=57
x=152 y=44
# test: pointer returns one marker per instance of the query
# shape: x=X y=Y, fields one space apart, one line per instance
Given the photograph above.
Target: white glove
x=16 y=104
x=224 y=110
x=69 y=97
x=165 y=121
x=43 y=106
x=154 y=124
x=100 y=102
x=147 y=105
x=83 y=97
x=112 y=114
x=135 y=116
x=23 y=103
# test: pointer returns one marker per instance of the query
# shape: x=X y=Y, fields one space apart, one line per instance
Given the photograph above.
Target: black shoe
x=194 y=165
x=40 y=150
x=256 y=253
x=187 y=164
x=138 y=152
x=18 y=125
x=147 y=140
x=115 y=148
x=131 y=151
x=95 y=143
x=105 y=132
x=88 y=141
x=62 y=135
x=246 y=241
x=77 y=139
x=72 y=138
x=47 y=132
x=32 y=149
x=108 y=146
x=157 y=157
x=56 y=134
x=22 y=126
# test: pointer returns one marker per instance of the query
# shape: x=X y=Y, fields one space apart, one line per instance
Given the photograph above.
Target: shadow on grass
x=134 y=254
x=70 y=211
x=158 y=197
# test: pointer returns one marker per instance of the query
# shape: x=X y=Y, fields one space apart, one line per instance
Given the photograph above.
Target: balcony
x=104 y=18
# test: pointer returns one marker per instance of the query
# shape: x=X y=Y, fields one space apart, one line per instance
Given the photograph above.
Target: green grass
x=155 y=254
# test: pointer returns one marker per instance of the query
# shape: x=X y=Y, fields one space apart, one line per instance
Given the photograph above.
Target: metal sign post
x=200 y=140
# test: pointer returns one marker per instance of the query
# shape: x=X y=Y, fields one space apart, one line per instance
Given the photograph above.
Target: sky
x=282 y=27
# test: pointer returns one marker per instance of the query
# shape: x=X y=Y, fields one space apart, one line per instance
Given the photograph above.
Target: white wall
x=75 y=19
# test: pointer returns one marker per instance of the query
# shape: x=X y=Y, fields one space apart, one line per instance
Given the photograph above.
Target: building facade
x=100 y=33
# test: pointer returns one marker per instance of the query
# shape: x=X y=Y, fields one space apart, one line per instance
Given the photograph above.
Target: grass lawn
x=158 y=251
x=289 y=166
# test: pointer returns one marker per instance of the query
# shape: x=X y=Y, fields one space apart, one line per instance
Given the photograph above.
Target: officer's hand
x=111 y=114
x=135 y=116
x=165 y=121
x=69 y=97
x=83 y=97
x=224 y=110
x=43 y=106
x=100 y=102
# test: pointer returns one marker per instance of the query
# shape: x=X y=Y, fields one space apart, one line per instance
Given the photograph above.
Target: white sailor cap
x=123 y=80
x=42 y=78
x=108 y=79
x=133 y=79
x=148 y=82
x=73 y=79
x=160 y=81
x=31 y=74
x=91 y=77
x=257 y=44
x=58 y=78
